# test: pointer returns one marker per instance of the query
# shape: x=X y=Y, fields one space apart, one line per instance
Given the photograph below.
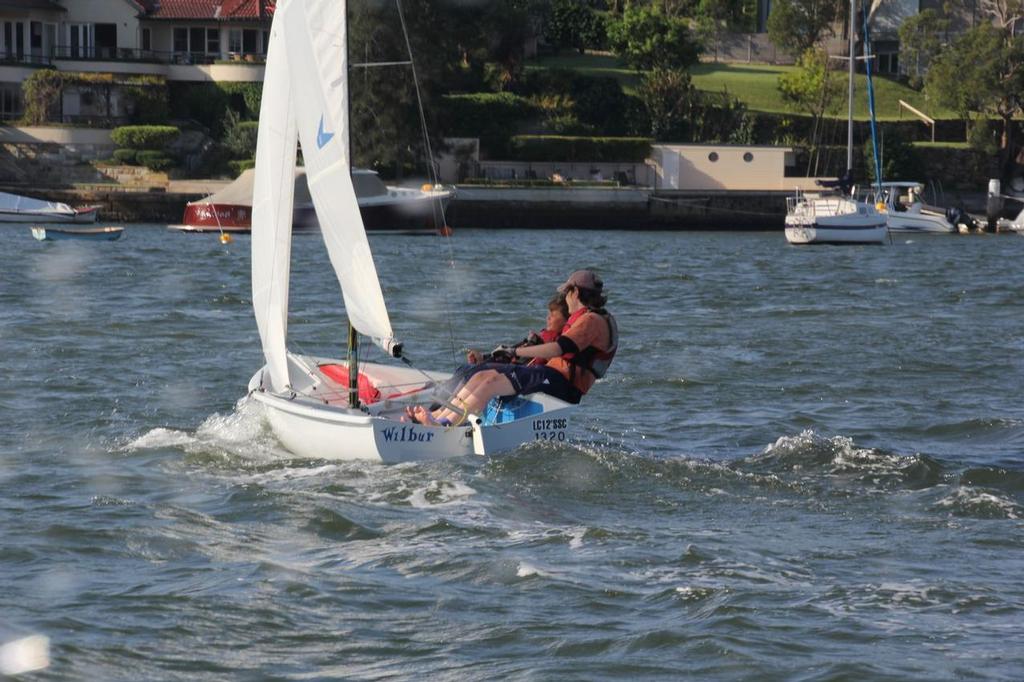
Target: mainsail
x=318 y=65
x=305 y=95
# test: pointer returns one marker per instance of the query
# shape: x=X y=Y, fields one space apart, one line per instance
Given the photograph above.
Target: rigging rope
x=432 y=173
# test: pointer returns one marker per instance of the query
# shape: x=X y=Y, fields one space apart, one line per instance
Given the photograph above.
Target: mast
x=353 y=335
x=849 y=122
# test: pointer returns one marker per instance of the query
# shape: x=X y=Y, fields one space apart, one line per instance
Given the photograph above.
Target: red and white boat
x=385 y=209
x=15 y=208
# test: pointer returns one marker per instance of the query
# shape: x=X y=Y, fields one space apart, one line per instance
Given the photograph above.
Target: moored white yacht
x=837 y=216
x=833 y=218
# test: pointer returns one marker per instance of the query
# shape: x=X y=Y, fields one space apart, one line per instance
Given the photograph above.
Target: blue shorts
x=527 y=379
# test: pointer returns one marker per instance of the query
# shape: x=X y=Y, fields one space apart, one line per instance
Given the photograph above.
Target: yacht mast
x=849 y=123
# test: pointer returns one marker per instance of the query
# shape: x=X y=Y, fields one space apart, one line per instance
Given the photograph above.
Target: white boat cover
x=239 y=192
x=305 y=92
x=15 y=203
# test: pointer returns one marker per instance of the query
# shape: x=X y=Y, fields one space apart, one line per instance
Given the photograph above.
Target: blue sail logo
x=322 y=136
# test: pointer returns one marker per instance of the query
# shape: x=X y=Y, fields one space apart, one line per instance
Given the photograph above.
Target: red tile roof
x=208 y=9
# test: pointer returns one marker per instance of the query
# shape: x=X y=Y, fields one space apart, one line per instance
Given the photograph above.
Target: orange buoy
x=427 y=187
x=445 y=231
x=225 y=238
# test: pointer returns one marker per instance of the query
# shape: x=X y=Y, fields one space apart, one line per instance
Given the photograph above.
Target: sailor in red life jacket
x=579 y=356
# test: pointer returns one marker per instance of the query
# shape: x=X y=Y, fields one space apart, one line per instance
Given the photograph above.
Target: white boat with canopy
x=905 y=210
x=332 y=408
x=15 y=208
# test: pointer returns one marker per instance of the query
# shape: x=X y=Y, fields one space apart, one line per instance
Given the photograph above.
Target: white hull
x=79 y=217
x=316 y=422
x=824 y=234
x=920 y=224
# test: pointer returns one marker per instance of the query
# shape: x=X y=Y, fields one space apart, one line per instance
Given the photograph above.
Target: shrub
x=239 y=136
x=42 y=93
x=128 y=157
x=144 y=137
x=565 y=148
x=238 y=166
x=154 y=160
x=492 y=117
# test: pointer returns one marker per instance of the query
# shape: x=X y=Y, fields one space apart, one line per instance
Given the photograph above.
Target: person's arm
x=547 y=350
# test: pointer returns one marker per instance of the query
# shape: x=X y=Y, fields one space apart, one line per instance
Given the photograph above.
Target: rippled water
x=805 y=464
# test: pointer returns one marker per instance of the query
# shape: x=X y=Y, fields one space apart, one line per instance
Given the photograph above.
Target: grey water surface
x=806 y=464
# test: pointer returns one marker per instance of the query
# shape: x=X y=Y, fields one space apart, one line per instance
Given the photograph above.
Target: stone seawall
x=616 y=208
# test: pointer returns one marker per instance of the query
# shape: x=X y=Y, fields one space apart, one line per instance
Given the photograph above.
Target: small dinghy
x=95 y=234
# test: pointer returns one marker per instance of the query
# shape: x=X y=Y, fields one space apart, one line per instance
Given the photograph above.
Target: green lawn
x=755 y=84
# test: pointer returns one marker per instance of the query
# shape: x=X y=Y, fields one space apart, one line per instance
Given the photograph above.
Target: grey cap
x=582 y=279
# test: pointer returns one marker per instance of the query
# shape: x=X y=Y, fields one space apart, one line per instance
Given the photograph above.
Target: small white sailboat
x=316 y=406
x=836 y=216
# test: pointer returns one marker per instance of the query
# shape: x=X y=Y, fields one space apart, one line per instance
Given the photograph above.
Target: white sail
x=318 y=65
x=273 y=195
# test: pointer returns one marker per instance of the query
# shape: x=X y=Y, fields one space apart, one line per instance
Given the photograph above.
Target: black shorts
x=527 y=379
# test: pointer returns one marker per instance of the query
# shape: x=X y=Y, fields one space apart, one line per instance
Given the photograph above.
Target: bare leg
x=473 y=397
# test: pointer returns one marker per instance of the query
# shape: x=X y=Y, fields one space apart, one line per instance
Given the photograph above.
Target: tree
x=1006 y=13
x=668 y=97
x=571 y=24
x=799 y=25
x=648 y=38
x=920 y=40
x=982 y=74
x=812 y=88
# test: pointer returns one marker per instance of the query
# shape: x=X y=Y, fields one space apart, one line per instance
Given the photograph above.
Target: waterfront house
x=180 y=40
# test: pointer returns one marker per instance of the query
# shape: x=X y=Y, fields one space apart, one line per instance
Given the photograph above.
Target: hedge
x=128 y=157
x=154 y=160
x=566 y=148
x=144 y=137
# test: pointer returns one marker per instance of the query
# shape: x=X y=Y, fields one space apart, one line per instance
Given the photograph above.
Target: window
x=713 y=157
x=212 y=41
x=196 y=39
x=748 y=157
x=80 y=38
x=181 y=40
x=10 y=102
x=147 y=39
x=249 y=41
x=266 y=42
x=234 y=40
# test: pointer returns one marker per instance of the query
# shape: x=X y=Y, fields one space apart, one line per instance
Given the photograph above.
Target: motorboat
x=385 y=208
x=344 y=409
x=15 y=208
x=95 y=234
x=905 y=210
x=836 y=215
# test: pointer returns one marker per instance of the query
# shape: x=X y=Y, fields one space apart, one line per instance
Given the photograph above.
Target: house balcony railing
x=124 y=54
x=13 y=57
